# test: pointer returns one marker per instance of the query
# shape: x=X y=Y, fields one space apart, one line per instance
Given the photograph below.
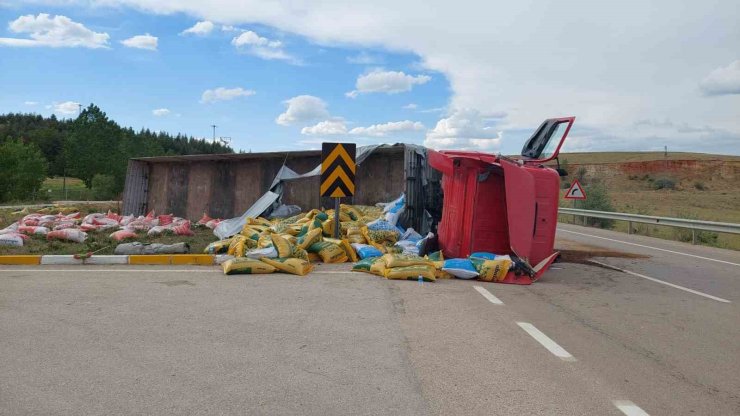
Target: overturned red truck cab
x=504 y=205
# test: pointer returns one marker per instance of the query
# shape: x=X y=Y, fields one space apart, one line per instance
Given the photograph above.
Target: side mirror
x=562 y=172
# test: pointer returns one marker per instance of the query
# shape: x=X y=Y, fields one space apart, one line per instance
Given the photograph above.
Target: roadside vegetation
x=33 y=148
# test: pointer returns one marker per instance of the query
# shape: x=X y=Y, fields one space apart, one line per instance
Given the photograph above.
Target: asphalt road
x=582 y=341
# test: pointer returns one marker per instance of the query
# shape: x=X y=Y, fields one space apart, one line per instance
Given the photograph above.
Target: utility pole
x=665 y=152
x=214 y=132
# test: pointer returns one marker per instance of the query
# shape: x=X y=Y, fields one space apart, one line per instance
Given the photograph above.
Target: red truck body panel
x=498 y=205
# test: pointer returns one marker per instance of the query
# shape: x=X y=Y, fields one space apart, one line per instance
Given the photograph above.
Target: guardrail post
x=629 y=227
x=693 y=236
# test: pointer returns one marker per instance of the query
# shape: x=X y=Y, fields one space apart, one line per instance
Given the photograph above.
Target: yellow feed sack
x=246 y=266
x=344 y=245
x=411 y=273
x=365 y=233
x=217 y=247
x=291 y=238
x=258 y=221
x=315 y=223
x=283 y=247
x=329 y=252
x=359 y=239
x=328 y=227
x=265 y=241
x=493 y=270
x=441 y=274
x=290 y=265
x=312 y=237
x=250 y=232
x=351 y=211
x=373 y=265
x=402 y=260
x=348 y=250
x=300 y=253
x=237 y=246
x=313 y=257
x=378 y=267
x=383 y=236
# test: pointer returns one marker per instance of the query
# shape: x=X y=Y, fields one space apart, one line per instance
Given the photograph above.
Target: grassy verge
x=97 y=240
x=692 y=204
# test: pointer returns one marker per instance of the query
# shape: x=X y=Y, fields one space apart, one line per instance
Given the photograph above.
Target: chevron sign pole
x=337 y=174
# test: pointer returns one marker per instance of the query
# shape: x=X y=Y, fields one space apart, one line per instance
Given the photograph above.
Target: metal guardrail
x=693 y=225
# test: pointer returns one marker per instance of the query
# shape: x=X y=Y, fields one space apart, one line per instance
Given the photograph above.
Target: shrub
x=103 y=187
x=702 y=237
x=22 y=170
x=664 y=183
x=598 y=200
x=700 y=186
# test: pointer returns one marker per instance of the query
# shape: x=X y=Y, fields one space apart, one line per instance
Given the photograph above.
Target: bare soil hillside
x=684 y=185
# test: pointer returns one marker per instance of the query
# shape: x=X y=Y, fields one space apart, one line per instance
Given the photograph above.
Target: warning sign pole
x=336 y=217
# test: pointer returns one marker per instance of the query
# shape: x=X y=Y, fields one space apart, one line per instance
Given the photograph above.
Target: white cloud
x=410 y=106
x=382 y=130
x=301 y=109
x=30 y=103
x=66 y=108
x=161 y=112
x=338 y=127
x=723 y=80
x=201 y=28
x=465 y=129
x=55 y=32
x=364 y=58
x=389 y=82
x=327 y=127
x=146 y=41
x=224 y=94
x=261 y=47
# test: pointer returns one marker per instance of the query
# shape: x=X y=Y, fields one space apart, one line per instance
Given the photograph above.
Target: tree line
x=33 y=147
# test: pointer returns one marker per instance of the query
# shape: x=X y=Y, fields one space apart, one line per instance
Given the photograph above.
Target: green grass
x=53 y=190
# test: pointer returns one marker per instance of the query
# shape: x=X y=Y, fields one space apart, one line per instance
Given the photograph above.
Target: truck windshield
x=554 y=141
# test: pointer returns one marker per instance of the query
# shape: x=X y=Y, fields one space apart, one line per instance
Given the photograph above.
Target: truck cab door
x=521 y=208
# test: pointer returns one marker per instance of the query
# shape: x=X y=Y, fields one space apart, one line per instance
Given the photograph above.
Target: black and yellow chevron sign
x=338 y=169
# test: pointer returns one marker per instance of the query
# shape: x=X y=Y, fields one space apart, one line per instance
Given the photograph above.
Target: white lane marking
x=488 y=295
x=546 y=342
x=654 y=248
x=696 y=292
x=110 y=270
x=629 y=408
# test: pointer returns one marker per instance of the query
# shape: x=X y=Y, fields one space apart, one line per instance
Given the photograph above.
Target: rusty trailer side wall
x=226 y=185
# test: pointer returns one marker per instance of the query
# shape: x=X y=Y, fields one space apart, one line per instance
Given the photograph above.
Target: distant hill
x=620 y=157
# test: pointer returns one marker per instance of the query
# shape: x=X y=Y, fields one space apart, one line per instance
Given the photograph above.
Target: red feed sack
x=122 y=234
x=183 y=229
x=25 y=229
x=67 y=234
x=165 y=219
x=204 y=219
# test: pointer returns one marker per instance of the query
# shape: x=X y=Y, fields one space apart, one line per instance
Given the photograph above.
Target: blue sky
x=468 y=75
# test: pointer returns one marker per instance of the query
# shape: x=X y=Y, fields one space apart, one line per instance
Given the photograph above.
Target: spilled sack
x=290 y=265
x=247 y=266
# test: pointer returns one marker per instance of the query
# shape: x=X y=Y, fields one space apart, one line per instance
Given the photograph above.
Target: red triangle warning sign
x=575 y=191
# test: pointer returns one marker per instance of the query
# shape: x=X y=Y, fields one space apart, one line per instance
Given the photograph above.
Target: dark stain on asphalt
x=171 y=283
